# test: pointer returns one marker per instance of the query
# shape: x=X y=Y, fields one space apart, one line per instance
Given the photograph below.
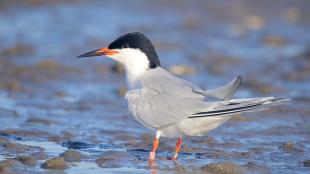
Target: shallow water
x=51 y=102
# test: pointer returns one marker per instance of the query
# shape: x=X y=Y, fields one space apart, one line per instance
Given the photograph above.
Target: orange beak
x=99 y=52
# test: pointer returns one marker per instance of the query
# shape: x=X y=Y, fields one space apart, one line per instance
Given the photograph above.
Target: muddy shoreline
x=60 y=114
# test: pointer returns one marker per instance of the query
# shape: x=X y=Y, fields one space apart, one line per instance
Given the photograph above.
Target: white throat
x=136 y=64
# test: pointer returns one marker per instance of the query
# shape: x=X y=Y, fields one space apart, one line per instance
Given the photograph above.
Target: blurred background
x=51 y=102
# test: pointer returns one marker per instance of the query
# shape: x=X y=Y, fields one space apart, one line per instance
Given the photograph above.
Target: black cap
x=138 y=41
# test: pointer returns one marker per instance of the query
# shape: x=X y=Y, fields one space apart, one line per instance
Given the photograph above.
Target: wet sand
x=60 y=114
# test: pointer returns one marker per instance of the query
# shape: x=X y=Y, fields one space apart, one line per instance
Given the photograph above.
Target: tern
x=168 y=104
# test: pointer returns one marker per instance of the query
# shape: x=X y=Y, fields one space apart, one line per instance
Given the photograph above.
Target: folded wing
x=224 y=92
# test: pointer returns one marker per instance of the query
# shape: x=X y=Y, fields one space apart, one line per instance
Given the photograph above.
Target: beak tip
x=89 y=54
x=99 y=52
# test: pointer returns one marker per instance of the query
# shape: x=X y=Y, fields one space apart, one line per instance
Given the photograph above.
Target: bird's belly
x=138 y=111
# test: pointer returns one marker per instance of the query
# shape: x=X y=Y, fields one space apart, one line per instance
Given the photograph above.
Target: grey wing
x=155 y=109
x=223 y=92
x=162 y=80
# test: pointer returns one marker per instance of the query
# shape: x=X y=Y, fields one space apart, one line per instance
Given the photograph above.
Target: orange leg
x=177 y=148
x=155 y=145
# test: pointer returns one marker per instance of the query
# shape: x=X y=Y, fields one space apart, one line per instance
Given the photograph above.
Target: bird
x=169 y=105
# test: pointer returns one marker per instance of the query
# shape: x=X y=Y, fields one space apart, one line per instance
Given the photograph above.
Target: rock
x=205 y=140
x=262 y=87
x=287 y=146
x=12 y=86
x=224 y=168
x=18 y=50
x=274 y=41
x=68 y=135
x=254 y=22
x=76 y=145
x=7 y=165
x=49 y=65
x=23 y=133
x=255 y=168
x=26 y=160
x=181 y=70
x=60 y=94
x=3 y=140
x=16 y=148
x=111 y=158
x=71 y=156
x=122 y=91
x=180 y=169
x=41 y=155
x=306 y=163
x=8 y=113
x=40 y=121
x=56 y=163
x=293 y=15
x=55 y=138
x=192 y=22
x=10 y=163
x=217 y=64
x=290 y=146
x=84 y=105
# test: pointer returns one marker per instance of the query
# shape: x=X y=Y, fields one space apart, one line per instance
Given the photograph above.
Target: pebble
x=56 y=163
x=182 y=70
x=224 y=168
x=306 y=163
x=71 y=156
x=26 y=160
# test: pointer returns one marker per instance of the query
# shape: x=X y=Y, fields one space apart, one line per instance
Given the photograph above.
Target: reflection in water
x=153 y=167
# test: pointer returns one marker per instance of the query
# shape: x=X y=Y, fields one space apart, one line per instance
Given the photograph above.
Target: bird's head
x=133 y=50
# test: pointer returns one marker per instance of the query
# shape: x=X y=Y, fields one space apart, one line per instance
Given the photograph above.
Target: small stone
x=40 y=121
x=306 y=163
x=122 y=91
x=76 y=145
x=60 y=94
x=71 y=156
x=224 y=168
x=254 y=22
x=287 y=146
x=256 y=168
x=56 y=163
x=293 y=15
x=26 y=160
x=17 y=50
x=111 y=158
x=274 y=41
x=7 y=165
x=68 y=135
x=182 y=70
x=48 y=65
x=40 y=155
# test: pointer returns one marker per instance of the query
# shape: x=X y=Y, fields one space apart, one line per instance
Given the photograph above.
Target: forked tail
x=242 y=105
